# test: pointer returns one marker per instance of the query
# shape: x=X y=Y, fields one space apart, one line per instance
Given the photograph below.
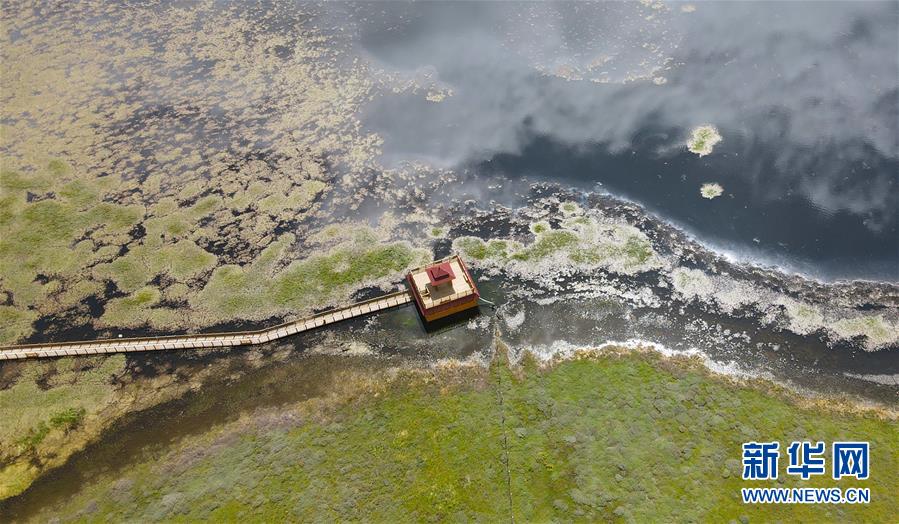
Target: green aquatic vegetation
x=294 y=197
x=169 y=226
x=203 y=207
x=52 y=396
x=68 y=418
x=80 y=193
x=876 y=330
x=499 y=249
x=803 y=318
x=182 y=261
x=343 y=267
x=15 y=323
x=73 y=294
x=691 y=282
x=115 y=218
x=72 y=237
x=575 y=222
x=128 y=272
x=800 y=317
x=137 y=309
x=14 y=182
x=547 y=243
x=260 y=291
x=638 y=250
x=571 y=208
x=710 y=191
x=540 y=227
x=304 y=279
x=703 y=139
x=171 y=222
x=471 y=247
x=58 y=168
x=106 y=164
x=40 y=237
x=599 y=438
x=185 y=260
x=477 y=249
x=50 y=220
x=143 y=297
x=581 y=240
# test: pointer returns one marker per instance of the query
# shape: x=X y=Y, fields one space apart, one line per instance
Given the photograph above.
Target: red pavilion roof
x=440 y=274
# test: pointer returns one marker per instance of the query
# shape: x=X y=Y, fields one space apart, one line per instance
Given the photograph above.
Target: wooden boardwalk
x=206 y=340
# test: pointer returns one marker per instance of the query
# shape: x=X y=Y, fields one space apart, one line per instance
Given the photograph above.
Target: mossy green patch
x=336 y=270
x=171 y=223
x=582 y=240
x=15 y=323
x=703 y=140
x=638 y=250
x=570 y=209
x=182 y=261
x=80 y=193
x=876 y=330
x=259 y=291
x=629 y=437
x=138 y=309
x=58 y=168
x=540 y=227
x=68 y=418
x=14 y=182
x=48 y=399
x=548 y=242
x=294 y=197
x=42 y=236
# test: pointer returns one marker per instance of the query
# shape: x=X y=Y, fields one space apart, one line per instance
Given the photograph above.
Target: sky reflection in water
x=603 y=96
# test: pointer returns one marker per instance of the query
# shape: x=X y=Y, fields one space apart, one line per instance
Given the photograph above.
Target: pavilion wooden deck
x=205 y=340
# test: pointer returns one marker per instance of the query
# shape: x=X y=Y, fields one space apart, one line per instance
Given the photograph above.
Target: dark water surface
x=788 y=230
x=604 y=96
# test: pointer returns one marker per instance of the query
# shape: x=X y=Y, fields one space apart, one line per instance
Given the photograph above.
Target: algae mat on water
x=620 y=437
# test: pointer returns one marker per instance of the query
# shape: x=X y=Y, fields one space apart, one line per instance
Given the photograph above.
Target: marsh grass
x=15 y=323
x=137 y=309
x=46 y=402
x=261 y=289
x=64 y=240
x=68 y=418
x=632 y=437
x=51 y=391
x=41 y=236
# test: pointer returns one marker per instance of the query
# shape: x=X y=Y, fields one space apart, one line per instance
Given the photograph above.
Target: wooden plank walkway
x=206 y=340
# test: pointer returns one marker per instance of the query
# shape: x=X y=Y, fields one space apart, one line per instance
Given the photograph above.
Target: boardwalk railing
x=205 y=340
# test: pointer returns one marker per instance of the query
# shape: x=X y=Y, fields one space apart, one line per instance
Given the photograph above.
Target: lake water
x=604 y=96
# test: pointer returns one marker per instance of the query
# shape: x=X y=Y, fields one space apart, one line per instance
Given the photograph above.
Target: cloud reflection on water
x=813 y=88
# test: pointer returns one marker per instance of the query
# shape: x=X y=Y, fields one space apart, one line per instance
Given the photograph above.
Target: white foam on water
x=887 y=380
x=563 y=350
x=514 y=321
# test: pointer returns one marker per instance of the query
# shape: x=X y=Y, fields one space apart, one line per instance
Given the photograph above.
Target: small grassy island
x=710 y=191
x=703 y=139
